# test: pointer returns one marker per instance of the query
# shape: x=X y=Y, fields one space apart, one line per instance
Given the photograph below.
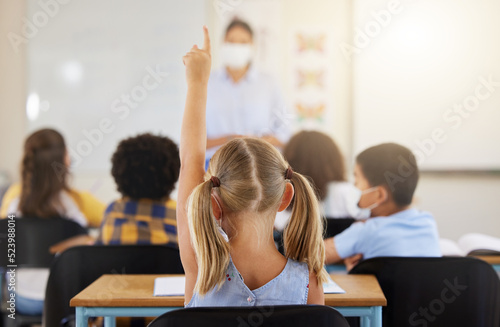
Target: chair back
x=33 y=238
x=334 y=226
x=448 y=291
x=76 y=268
x=266 y=316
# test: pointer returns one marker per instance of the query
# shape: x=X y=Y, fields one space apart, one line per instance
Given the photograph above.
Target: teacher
x=241 y=100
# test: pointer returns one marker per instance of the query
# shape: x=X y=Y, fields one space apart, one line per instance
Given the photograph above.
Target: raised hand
x=192 y=149
x=198 y=62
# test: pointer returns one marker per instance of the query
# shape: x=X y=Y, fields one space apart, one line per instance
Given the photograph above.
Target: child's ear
x=383 y=194
x=216 y=207
x=287 y=197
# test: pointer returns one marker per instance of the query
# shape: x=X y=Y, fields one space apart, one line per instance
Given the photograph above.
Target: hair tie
x=215 y=181
x=288 y=173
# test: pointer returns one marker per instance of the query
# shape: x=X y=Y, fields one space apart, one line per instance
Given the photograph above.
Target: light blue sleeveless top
x=291 y=286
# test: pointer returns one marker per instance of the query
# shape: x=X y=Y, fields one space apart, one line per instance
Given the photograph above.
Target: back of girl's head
x=316 y=155
x=252 y=175
x=44 y=173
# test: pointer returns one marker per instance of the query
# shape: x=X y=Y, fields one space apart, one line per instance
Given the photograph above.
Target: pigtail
x=303 y=237
x=212 y=250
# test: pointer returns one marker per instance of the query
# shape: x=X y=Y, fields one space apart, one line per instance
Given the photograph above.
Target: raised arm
x=192 y=149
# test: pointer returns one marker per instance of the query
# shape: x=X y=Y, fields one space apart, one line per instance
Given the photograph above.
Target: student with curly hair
x=145 y=169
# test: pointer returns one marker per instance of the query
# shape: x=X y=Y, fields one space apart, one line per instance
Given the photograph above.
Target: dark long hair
x=44 y=174
x=316 y=155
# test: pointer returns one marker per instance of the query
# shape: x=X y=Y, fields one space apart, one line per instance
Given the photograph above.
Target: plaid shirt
x=139 y=222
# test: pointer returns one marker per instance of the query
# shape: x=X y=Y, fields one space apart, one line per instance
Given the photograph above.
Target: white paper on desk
x=332 y=287
x=169 y=286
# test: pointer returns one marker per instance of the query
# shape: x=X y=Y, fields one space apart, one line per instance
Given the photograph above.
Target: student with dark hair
x=242 y=101
x=145 y=169
x=316 y=155
x=387 y=176
x=44 y=193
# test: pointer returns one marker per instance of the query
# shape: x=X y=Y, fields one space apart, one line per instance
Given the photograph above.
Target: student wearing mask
x=241 y=100
x=316 y=155
x=387 y=176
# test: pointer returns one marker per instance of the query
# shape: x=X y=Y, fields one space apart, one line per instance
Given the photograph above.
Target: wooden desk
x=113 y=296
x=493 y=260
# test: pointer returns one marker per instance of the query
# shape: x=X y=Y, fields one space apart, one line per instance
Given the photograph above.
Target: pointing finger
x=206 y=40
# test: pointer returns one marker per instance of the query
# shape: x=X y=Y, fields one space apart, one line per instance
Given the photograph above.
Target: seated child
x=145 y=169
x=225 y=217
x=316 y=155
x=44 y=190
x=44 y=193
x=387 y=176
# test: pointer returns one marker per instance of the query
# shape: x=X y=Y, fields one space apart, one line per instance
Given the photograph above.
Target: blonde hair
x=252 y=177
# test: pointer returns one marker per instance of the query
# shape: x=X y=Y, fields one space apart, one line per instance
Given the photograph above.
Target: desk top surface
x=137 y=291
x=491 y=259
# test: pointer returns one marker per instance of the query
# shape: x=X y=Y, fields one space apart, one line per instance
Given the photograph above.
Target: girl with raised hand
x=226 y=216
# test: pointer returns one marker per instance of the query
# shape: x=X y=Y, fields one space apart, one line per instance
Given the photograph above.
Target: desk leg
x=374 y=319
x=365 y=321
x=81 y=319
x=110 y=321
x=377 y=317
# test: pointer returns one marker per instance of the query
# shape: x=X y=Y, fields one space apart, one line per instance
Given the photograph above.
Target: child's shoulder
x=117 y=205
x=297 y=267
x=409 y=216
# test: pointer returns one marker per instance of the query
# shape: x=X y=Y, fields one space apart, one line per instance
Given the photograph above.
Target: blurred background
x=424 y=73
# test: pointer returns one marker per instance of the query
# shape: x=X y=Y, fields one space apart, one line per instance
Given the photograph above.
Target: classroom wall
x=425 y=58
x=338 y=14
x=416 y=70
x=12 y=89
x=460 y=203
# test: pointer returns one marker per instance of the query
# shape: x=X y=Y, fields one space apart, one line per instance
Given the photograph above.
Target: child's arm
x=331 y=254
x=192 y=149
x=316 y=294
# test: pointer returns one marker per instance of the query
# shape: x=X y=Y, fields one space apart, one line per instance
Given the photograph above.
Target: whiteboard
x=101 y=71
x=419 y=80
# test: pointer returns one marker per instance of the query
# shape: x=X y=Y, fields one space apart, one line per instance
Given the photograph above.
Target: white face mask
x=373 y=206
x=236 y=55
